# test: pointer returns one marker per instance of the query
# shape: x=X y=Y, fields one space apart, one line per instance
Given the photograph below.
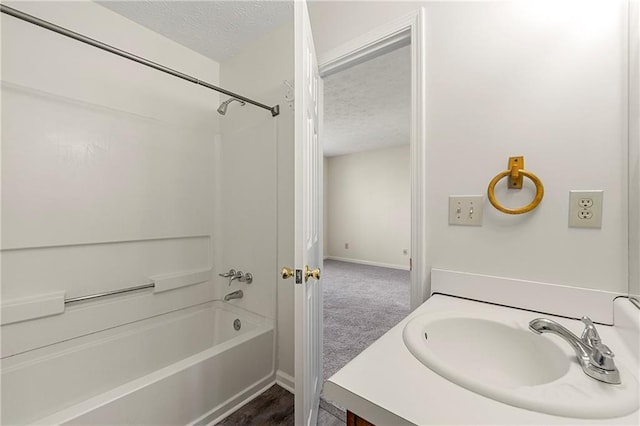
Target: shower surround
x=114 y=175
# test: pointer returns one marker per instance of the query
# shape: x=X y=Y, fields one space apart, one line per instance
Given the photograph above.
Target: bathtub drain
x=237 y=324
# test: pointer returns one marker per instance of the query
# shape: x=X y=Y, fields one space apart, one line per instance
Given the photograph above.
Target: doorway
x=367 y=204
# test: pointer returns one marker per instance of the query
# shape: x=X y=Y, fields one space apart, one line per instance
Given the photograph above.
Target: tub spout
x=235 y=295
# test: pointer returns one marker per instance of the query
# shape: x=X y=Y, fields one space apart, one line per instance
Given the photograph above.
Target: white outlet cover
x=578 y=213
x=465 y=210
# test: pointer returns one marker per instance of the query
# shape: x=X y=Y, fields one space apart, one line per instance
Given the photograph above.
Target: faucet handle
x=602 y=357
x=231 y=273
x=590 y=334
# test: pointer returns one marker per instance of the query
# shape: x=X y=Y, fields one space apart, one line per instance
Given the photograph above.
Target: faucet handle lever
x=602 y=357
x=231 y=273
x=590 y=334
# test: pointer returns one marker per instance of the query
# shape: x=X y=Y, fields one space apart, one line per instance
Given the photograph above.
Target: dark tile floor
x=274 y=408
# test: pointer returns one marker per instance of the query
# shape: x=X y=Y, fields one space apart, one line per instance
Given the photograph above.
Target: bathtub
x=192 y=366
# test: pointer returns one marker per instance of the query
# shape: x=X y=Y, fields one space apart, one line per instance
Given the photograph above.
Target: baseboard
x=286 y=381
x=370 y=263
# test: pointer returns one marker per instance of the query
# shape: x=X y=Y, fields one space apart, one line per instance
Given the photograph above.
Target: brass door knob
x=311 y=273
x=286 y=273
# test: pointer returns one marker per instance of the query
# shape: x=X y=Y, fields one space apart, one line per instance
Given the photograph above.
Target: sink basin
x=503 y=360
x=490 y=352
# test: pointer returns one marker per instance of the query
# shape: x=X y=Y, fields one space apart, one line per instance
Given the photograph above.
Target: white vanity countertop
x=387 y=385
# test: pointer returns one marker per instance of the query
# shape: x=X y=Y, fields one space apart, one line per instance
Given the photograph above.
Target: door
x=308 y=223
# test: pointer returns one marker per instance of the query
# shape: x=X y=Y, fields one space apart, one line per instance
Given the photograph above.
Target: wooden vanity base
x=354 y=420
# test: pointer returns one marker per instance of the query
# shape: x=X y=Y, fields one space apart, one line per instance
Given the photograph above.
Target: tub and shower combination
x=192 y=366
x=130 y=196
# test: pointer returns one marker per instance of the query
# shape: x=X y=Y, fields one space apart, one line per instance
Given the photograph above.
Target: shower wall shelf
x=516 y=174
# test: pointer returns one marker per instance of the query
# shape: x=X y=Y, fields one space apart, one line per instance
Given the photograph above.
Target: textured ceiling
x=368 y=106
x=216 y=29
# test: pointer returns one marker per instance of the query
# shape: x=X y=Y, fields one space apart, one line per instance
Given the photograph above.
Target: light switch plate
x=585 y=209
x=465 y=210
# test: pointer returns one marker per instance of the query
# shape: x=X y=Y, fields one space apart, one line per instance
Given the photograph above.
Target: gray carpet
x=361 y=303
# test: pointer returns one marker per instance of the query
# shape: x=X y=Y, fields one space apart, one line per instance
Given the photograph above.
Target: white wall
x=547 y=80
x=257 y=176
x=369 y=207
x=634 y=151
x=336 y=22
x=553 y=91
x=325 y=207
x=107 y=174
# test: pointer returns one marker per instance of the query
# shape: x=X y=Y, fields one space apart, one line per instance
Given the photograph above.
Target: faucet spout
x=238 y=294
x=544 y=325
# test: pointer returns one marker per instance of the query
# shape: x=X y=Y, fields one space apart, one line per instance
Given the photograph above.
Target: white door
x=308 y=223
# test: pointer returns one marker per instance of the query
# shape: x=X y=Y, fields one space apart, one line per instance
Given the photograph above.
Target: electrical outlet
x=465 y=210
x=585 y=209
x=585 y=214
x=585 y=203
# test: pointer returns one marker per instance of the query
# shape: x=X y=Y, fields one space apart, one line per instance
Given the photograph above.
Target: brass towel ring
x=515 y=173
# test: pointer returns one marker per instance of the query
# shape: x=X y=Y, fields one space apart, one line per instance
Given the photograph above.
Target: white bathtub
x=184 y=367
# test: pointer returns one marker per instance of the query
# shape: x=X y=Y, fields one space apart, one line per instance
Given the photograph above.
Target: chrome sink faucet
x=595 y=358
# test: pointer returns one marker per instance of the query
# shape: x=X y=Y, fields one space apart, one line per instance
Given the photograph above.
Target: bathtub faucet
x=232 y=275
x=237 y=275
x=234 y=295
x=595 y=358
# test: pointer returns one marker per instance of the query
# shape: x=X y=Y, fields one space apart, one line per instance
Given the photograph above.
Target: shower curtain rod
x=275 y=110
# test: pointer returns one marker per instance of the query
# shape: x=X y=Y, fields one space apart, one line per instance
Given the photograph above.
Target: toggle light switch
x=465 y=210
